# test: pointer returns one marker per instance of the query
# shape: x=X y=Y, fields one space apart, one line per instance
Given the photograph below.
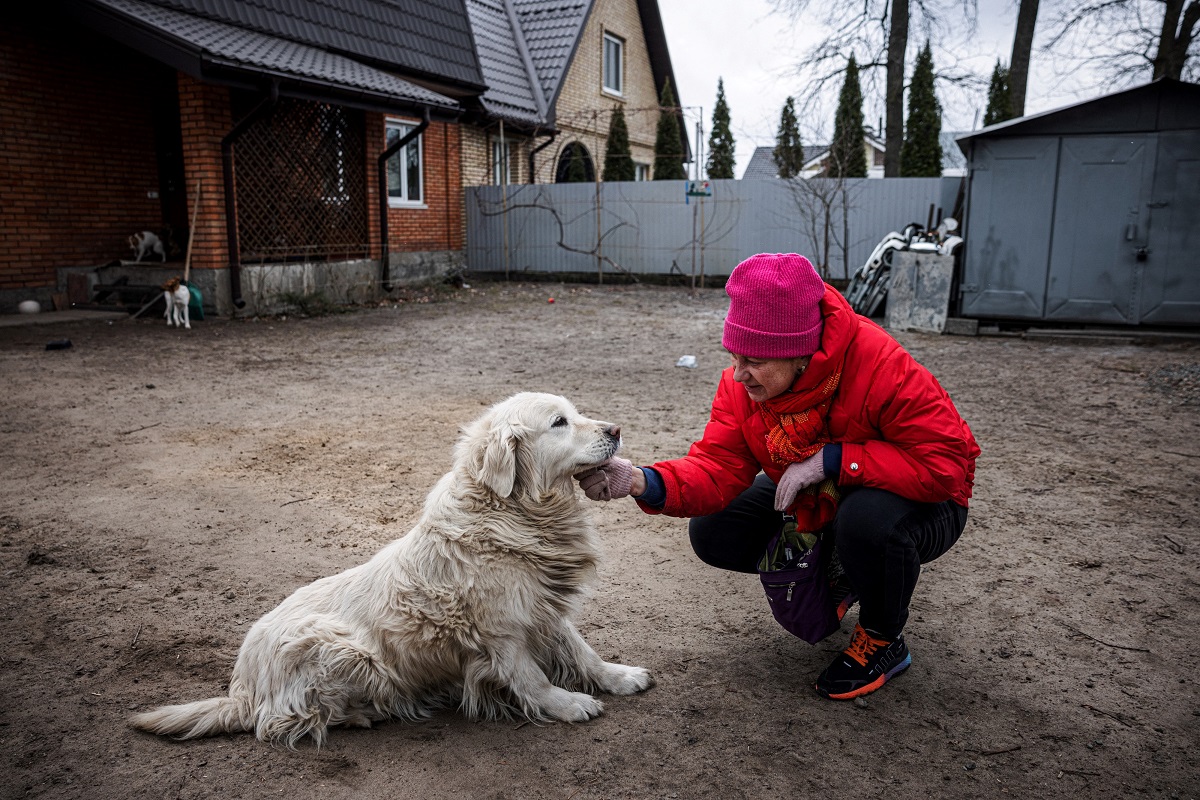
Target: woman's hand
x=612 y=480
x=796 y=477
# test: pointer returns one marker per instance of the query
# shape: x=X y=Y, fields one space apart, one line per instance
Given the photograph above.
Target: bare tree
x=876 y=32
x=1178 y=33
x=1018 y=66
x=1127 y=40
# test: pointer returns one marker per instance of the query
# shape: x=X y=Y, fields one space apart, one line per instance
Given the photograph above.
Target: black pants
x=882 y=540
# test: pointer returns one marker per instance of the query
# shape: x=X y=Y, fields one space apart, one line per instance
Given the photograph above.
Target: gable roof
x=762 y=162
x=551 y=29
x=525 y=50
x=507 y=64
x=243 y=43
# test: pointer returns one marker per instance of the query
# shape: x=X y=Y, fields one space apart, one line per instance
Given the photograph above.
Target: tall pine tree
x=720 y=142
x=921 y=156
x=789 y=154
x=847 y=152
x=618 y=160
x=668 y=147
x=999 y=107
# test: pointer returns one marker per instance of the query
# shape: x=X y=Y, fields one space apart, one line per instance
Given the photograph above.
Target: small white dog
x=145 y=243
x=177 y=297
x=472 y=607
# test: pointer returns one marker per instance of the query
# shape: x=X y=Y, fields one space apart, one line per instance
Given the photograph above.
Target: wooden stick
x=187 y=260
x=1101 y=641
x=1108 y=714
x=143 y=428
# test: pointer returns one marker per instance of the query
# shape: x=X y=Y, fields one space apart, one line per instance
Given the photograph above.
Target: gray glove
x=611 y=480
x=796 y=477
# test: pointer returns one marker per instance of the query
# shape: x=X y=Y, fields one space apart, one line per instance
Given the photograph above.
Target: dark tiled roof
x=952 y=157
x=428 y=37
x=511 y=92
x=552 y=29
x=223 y=46
x=762 y=163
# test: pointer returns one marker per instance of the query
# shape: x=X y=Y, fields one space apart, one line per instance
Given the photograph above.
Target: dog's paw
x=620 y=679
x=574 y=707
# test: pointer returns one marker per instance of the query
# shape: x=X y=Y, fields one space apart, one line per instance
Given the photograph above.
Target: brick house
x=555 y=70
x=335 y=127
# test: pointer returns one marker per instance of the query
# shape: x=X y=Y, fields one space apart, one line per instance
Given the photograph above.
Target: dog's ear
x=498 y=470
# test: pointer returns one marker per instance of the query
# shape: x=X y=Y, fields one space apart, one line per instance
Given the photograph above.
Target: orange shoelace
x=863 y=645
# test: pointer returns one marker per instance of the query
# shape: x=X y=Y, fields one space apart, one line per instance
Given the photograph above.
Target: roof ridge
x=535 y=81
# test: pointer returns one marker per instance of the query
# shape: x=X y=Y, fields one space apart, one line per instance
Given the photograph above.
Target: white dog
x=472 y=607
x=177 y=297
x=145 y=243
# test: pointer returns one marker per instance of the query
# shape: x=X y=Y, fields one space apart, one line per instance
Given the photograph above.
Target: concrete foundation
x=266 y=288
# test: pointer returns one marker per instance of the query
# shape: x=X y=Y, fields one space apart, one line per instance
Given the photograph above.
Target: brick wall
x=440 y=224
x=477 y=155
x=205 y=118
x=77 y=154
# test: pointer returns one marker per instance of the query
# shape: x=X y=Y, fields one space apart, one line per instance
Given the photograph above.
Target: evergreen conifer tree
x=618 y=160
x=668 y=148
x=847 y=153
x=921 y=156
x=720 y=142
x=789 y=154
x=999 y=107
x=576 y=168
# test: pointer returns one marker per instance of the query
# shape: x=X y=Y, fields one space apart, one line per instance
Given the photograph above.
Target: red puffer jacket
x=898 y=428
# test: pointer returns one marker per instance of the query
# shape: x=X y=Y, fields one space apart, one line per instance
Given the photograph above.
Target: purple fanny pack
x=793 y=577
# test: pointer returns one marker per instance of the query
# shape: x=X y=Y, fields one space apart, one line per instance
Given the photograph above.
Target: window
x=643 y=172
x=501 y=163
x=613 y=63
x=404 y=178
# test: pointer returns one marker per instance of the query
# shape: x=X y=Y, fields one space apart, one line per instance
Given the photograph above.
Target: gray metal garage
x=1088 y=214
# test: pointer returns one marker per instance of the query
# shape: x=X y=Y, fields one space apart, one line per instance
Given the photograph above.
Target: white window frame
x=619 y=89
x=641 y=171
x=499 y=178
x=398 y=164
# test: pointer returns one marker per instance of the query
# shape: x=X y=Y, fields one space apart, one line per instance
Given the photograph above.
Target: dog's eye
x=558 y=422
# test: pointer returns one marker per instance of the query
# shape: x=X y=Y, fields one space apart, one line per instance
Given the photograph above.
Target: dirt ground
x=161 y=489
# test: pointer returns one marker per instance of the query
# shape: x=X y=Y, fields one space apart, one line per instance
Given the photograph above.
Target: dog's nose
x=614 y=431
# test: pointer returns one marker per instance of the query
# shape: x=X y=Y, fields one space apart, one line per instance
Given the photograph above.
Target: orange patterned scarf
x=797 y=428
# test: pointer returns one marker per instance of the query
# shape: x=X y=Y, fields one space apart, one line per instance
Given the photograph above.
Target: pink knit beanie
x=774 y=307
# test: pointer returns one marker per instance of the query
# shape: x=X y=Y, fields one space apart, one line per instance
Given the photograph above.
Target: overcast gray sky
x=755 y=52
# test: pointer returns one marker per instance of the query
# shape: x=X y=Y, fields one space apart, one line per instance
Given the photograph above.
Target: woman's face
x=765 y=378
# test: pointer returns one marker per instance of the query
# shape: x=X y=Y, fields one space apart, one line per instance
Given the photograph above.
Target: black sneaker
x=864 y=666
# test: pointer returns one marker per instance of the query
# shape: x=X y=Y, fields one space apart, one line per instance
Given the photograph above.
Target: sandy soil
x=160 y=489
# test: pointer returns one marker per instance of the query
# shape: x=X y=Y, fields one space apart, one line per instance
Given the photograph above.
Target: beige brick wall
x=477 y=155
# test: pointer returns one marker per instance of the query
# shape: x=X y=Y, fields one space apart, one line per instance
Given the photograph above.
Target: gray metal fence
x=654 y=227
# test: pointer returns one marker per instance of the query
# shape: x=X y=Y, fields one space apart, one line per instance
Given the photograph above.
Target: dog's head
x=531 y=442
x=171 y=285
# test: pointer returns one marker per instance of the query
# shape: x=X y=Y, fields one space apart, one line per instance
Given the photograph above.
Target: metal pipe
x=538 y=149
x=383 y=194
x=231 y=233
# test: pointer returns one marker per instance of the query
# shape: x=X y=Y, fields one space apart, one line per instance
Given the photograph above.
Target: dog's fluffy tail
x=193 y=720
